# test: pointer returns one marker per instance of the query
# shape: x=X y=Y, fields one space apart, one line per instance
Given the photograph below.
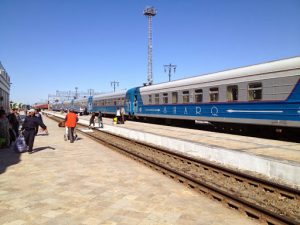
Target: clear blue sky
x=49 y=45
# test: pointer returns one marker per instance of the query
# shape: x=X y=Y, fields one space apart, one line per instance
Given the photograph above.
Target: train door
x=127 y=104
x=131 y=101
x=90 y=104
x=135 y=104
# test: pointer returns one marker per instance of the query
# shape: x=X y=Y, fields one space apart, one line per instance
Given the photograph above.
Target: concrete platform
x=273 y=159
x=86 y=183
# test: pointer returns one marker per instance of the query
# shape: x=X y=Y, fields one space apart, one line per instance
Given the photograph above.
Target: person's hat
x=31 y=110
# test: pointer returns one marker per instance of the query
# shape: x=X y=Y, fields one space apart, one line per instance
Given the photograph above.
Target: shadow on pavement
x=42 y=148
x=8 y=157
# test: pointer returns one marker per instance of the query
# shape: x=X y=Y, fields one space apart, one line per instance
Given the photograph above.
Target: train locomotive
x=266 y=94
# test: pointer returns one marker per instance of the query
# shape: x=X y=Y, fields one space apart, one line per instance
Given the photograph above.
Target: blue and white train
x=265 y=94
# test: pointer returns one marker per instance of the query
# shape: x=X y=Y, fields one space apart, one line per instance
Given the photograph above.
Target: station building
x=4 y=89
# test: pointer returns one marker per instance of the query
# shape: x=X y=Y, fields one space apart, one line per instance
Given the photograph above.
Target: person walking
x=14 y=121
x=92 y=120
x=71 y=122
x=118 y=114
x=29 y=127
x=38 y=114
x=122 y=111
x=100 y=122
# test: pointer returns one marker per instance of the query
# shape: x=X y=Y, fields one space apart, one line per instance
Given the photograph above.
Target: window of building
x=232 y=93
x=214 y=94
x=165 y=98
x=156 y=99
x=174 y=97
x=198 y=95
x=185 y=96
x=150 y=99
x=255 y=91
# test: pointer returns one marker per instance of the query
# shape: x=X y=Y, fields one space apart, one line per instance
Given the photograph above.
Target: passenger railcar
x=106 y=103
x=67 y=105
x=57 y=106
x=41 y=106
x=80 y=106
x=263 y=94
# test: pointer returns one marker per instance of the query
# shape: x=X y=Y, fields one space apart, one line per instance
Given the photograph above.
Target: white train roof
x=81 y=100
x=117 y=94
x=273 y=66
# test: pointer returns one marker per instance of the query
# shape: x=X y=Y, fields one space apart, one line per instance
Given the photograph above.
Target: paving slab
x=87 y=183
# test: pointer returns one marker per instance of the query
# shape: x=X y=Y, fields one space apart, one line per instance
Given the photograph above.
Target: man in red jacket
x=71 y=121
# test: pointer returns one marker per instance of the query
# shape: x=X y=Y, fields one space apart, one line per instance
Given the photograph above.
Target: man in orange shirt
x=71 y=121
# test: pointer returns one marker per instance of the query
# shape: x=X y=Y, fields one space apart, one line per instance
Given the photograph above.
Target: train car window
x=165 y=98
x=174 y=97
x=232 y=93
x=156 y=98
x=185 y=96
x=214 y=94
x=198 y=95
x=150 y=99
x=255 y=91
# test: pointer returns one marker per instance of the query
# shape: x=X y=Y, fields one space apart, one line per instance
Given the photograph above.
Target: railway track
x=268 y=202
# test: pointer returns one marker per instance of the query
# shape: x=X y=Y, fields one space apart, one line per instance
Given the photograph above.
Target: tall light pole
x=150 y=12
x=76 y=93
x=90 y=92
x=169 y=67
x=114 y=83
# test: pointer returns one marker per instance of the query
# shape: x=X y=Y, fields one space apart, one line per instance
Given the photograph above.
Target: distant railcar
x=106 y=103
x=41 y=106
x=80 y=106
x=57 y=106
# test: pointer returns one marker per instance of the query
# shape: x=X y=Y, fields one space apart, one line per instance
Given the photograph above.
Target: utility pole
x=169 y=67
x=76 y=93
x=114 y=83
x=150 y=12
x=90 y=92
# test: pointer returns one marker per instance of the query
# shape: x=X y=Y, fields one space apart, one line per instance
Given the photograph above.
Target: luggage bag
x=20 y=145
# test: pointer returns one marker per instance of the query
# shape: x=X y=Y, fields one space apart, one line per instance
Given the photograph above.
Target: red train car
x=41 y=106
